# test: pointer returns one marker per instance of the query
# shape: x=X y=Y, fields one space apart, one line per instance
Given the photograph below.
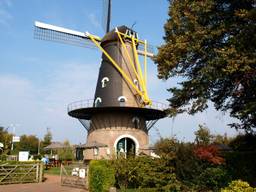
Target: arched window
x=126 y=147
x=136 y=122
x=122 y=100
x=97 y=102
x=104 y=82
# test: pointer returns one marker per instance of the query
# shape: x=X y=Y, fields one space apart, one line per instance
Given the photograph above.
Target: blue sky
x=39 y=78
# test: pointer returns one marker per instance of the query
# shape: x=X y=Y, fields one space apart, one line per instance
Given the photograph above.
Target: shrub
x=209 y=153
x=101 y=175
x=238 y=186
x=145 y=172
x=213 y=178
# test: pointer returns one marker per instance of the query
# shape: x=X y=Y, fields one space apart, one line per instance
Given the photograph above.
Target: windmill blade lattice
x=106 y=16
x=151 y=49
x=61 y=37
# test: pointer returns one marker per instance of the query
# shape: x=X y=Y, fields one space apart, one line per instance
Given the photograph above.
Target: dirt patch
x=51 y=184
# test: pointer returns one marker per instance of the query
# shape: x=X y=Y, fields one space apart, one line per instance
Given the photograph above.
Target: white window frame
x=97 y=101
x=104 y=82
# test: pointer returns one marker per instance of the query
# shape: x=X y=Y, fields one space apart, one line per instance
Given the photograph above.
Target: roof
x=93 y=144
x=55 y=145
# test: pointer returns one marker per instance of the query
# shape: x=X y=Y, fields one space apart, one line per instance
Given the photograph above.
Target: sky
x=38 y=79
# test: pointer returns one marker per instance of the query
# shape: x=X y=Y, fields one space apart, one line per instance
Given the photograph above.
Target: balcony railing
x=89 y=103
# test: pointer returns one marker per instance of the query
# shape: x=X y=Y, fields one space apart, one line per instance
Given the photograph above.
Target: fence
x=74 y=175
x=21 y=173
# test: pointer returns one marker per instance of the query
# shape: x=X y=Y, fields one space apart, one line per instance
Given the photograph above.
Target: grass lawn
x=53 y=171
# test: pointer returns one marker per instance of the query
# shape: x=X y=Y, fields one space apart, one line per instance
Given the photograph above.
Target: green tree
x=166 y=147
x=47 y=138
x=203 y=136
x=5 y=139
x=211 y=45
x=67 y=152
x=27 y=143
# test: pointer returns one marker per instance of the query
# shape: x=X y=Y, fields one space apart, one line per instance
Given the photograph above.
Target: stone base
x=110 y=137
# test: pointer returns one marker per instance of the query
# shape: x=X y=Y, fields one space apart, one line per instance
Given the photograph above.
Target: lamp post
x=38 y=147
x=13 y=132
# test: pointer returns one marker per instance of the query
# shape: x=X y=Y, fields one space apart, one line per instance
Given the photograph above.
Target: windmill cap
x=112 y=35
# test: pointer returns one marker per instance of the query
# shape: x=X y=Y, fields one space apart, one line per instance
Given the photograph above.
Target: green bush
x=241 y=165
x=3 y=157
x=101 y=175
x=140 y=190
x=238 y=186
x=146 y=174
x=213 y=178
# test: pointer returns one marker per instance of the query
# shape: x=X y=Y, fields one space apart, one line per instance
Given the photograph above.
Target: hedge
x=101 y=176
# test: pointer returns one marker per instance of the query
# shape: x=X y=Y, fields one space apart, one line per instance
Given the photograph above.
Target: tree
x=209 y=153
x=203 y=136
x=5 y=139
x=28 y=143
x=66 y=153
x=211 y=45
x=47 y=138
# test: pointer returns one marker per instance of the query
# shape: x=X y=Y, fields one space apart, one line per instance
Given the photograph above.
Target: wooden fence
x=21 y=173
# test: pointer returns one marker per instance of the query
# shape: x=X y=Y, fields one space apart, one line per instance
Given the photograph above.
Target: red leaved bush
x=209 y=153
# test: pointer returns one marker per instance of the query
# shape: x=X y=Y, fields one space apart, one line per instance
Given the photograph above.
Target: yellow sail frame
x=142 y=79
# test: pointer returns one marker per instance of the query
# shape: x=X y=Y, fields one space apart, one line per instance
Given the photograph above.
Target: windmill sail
x=150 y=50
x=106 y=17
x=48 y=32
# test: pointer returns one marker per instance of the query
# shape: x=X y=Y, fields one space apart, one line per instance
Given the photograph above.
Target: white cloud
x=36 y=108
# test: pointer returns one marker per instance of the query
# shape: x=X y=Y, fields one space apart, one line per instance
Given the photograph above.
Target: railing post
x=61 y=167
x=37 y=172
x=41 y=172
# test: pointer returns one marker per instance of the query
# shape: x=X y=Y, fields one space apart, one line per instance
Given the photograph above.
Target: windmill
x=121 y=114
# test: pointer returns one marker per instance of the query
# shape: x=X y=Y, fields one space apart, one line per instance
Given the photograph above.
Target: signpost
x=15 y=139
x=23 y=155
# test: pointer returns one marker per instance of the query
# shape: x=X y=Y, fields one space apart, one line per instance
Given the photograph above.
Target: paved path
x=52 y=184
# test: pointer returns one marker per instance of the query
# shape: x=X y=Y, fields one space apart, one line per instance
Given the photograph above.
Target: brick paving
x=52 y=184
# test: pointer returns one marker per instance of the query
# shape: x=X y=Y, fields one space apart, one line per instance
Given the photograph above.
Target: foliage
x=166 y=146
x=221 y=139
x=211 y=45
x=6 y=139
x=209 y=153
x=145 y=172
x=212 y=178
x=66 y=153
x=47 y=138
x=187 y=165
x=241 y=160
x=27 y=143
x=241 y=165
x=203 y=136
x=101 y=176
x=238 y=186
x=195 y=174
x=139 y=190
x=245 y=142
